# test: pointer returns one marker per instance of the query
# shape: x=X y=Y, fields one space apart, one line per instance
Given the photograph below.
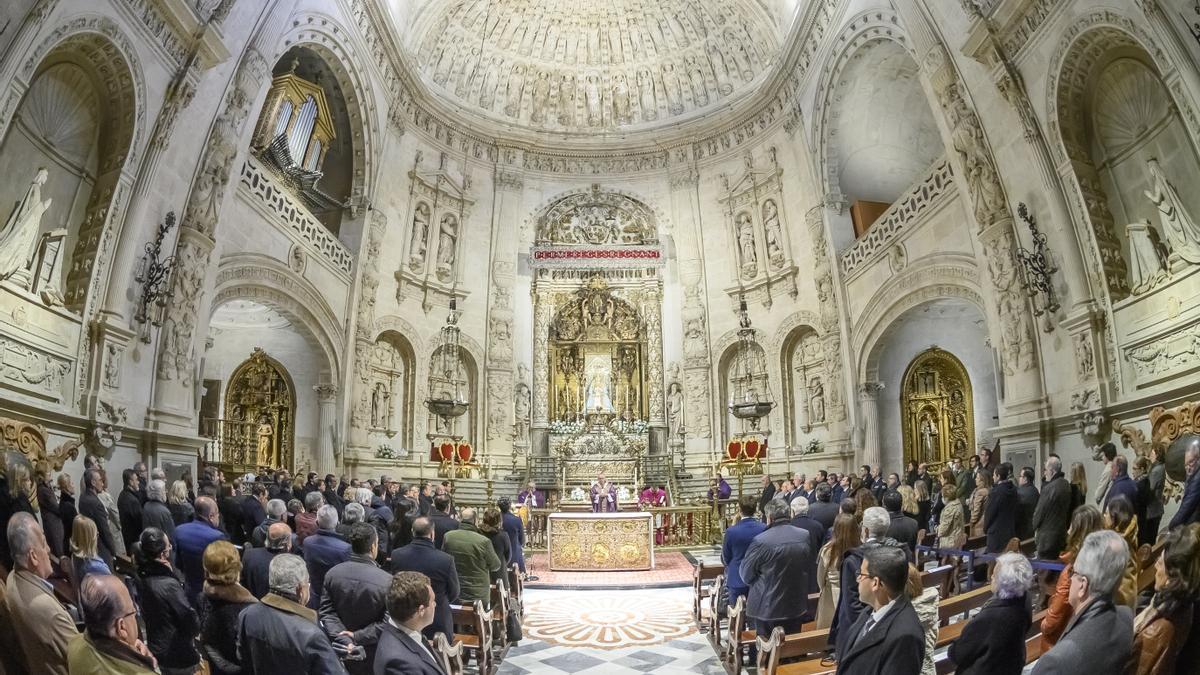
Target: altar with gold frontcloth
x=600 y=542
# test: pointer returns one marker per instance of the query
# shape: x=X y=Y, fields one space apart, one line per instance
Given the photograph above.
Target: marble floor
x=601 y=632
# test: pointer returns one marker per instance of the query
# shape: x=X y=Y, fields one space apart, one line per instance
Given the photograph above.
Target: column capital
x=326 y=393
x=869 y=391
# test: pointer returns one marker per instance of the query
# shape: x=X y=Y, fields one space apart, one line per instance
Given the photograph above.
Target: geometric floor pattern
x=597 y=632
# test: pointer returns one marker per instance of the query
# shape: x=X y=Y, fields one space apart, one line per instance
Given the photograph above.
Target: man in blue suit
x=737 y=540
x=421 y=556
x=1189 y=507
x=515 y=530
x=190 y=541
x=322 y=551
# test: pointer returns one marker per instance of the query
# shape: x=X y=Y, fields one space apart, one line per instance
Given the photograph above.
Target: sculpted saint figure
x=745 y=235
x=19 y=236
x=774 y=232
x=1181 y=229
x=420 y=234
x=448 y=233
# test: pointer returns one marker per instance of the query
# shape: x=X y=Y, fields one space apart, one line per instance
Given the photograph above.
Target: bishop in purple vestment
x=604 y=495
x=532 y=497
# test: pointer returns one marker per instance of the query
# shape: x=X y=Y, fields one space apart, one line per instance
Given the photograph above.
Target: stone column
x=868 y=406
x=324 y=461
x=652 y=311
x=542 y=308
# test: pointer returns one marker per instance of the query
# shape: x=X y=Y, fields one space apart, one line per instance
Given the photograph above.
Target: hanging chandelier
x=451 y=401
x=750 y=397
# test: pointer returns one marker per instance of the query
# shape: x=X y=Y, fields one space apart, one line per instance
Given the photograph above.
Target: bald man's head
x=206 y=510
x=279 y=537
x=107 y=608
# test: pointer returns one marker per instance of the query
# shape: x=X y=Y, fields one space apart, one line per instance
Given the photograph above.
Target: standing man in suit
x=1027 y=499
x=768 y=492
x=1189 y=507
x=887 y=638
x=129 y=506
x=411 y=607
x=441 y=519
x=824 y=509
x=902 y=528
x=1000 y=514
x=515 y=530
x=776 y=571
x=438 y=567
x=354 y=597
x=733 y=548
x=41 y=624
x=1052 y=516
x=91 y=506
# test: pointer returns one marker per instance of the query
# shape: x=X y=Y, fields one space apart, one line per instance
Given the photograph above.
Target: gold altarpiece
x=597 y=352
x=936 y=408
x=260 y=412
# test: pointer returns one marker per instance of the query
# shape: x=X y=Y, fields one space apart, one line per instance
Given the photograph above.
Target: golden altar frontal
x=600 y=542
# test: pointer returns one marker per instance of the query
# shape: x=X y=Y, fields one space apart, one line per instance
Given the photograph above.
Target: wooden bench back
x=450 y=657
x=962 y=603
x=780 y=646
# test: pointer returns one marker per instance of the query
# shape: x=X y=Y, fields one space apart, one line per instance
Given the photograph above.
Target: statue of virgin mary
x=19 y=236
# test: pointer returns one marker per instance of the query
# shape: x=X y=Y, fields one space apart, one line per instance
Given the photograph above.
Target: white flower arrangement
x=630 y=427
x=565 y=427
x=813 y=446
x=385 y=451
x=577 y=494
x=623 y=494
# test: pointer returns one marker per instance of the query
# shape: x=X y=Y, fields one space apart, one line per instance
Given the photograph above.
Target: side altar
x=592 y=542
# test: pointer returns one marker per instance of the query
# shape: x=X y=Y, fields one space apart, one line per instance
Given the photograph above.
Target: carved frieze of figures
x=498 y=393
x=983 y=183
x=713 y=48
x=500 y=337
x=597 y=217
x=697 y=401
x=1016 y=329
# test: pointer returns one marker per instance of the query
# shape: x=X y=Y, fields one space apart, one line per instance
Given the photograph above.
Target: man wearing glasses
x=1100 y=633
x=110 y=643
x=887 y=637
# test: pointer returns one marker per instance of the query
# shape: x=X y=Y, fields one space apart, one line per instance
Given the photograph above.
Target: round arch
x=1089 y=44
x=630 y=200
x=325 y=37
x=272 y=283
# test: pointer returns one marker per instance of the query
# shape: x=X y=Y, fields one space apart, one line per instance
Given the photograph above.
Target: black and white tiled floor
x=599 y=632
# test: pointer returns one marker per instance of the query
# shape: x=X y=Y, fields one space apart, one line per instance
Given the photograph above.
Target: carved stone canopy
x=594 y=313
x=597 y=218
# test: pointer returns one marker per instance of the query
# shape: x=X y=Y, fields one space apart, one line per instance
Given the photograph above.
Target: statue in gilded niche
x=597 y=388
x=447 y=236
x=645 y=83
x=19 y=236
x=420 y=235
x=265 y=431
x=1181 y=229
x=929 y=439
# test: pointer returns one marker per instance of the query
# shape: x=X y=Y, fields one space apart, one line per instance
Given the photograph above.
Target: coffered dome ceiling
x=585 y=67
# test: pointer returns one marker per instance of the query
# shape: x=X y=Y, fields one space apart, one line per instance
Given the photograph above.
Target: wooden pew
x=473 y=629
x=516 y=590
x=449 y=657
x=781 y=646
x=711 y=612
x=962 y=603
x=701 y=590
x=739 y=640
x=499 y=614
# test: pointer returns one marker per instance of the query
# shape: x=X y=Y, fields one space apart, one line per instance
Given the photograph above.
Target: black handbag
x=512 y=627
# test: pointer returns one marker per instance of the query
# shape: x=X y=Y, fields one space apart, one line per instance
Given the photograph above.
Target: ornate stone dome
x=567 y=66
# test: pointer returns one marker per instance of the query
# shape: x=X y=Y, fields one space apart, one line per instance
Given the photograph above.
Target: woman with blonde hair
x=846 y=535
x=1084 y=520
x=1079 y=486
x=85 y=553
x=220 y=605
x=983 y=484
x=177 y=502
x=952 y=526
x=908 y=503
x=925 y=602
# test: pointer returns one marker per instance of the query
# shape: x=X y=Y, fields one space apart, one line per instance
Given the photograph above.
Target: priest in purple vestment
x=531 y=497
x=719 y=486
x=604 y=495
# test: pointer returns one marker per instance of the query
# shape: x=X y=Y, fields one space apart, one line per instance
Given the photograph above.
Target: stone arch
x=403 y=347
x=327 y=38
x=94 y=51
x=794 y=400
x=272 y=283
x=941 y=277
x=864 y=33
x=470 y=352
x=725 y=347
x=1087 y=46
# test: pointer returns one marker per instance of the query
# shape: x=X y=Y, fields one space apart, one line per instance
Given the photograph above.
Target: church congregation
x=549 y=337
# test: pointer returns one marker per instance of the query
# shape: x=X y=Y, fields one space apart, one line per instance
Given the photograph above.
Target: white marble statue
x=597 y=391
x=19 y=236
x=745 y=235
x=420 y=234
x=447 y=235
x=541 y=97
x=816 y=401
x=1181 y=229
x=1147 y=264
x=521 y=409
x=645 y=83
x=774 y=232
x=675 y=410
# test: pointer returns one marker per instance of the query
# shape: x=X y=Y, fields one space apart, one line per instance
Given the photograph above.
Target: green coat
x=86 y=656
x=475 y=559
